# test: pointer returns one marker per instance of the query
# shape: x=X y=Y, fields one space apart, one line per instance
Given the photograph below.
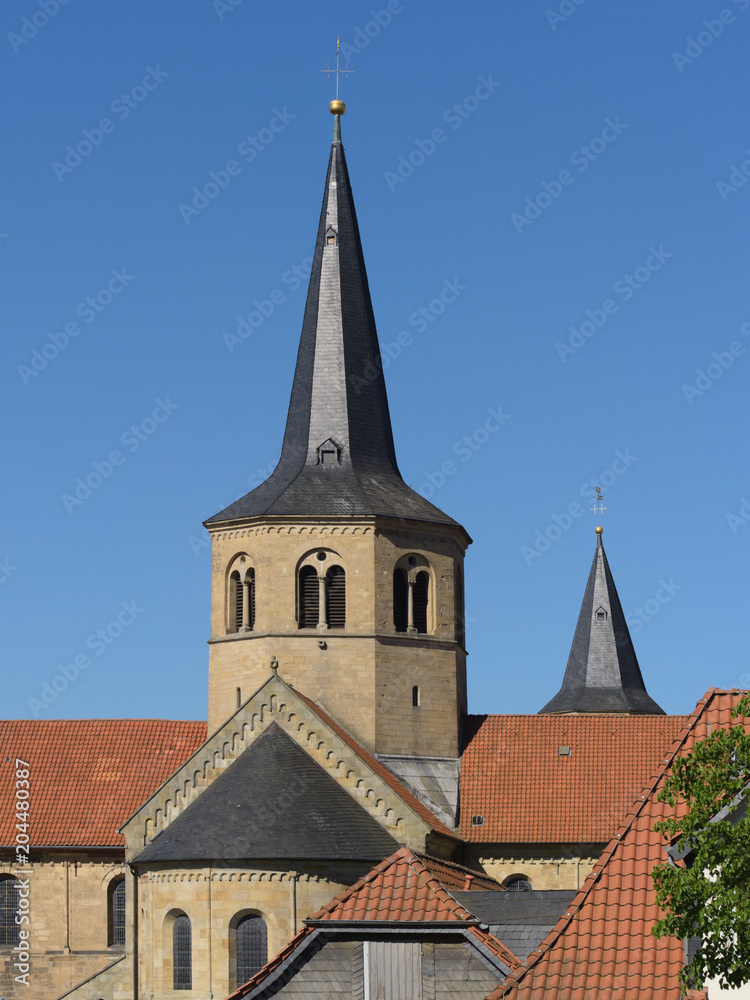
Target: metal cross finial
x=338 y=71
x=597 y=498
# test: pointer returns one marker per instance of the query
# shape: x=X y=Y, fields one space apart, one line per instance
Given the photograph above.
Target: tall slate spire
x=602 y=674
x=338 y=455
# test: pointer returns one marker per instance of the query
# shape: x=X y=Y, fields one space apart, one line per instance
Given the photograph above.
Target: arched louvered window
x=336 y=594
x=250 y=589
x=9 y=900
x=182 y=953
x=116 y=911
x=252 y=946
x=309 y=597
x=421 y=596
x=400 y=600
x=235 y=598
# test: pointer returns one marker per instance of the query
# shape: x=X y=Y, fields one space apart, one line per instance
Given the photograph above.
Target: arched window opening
x=242 y=600
x=336 y=594
x=9 y=900
x=400 y=600
x=235 y=599
x=182 y=953
x=415 y=696
x=249 y=619
x=252 y=946
x=116 y=911
x=517 y=883
x=421 y=594
x=309 y=597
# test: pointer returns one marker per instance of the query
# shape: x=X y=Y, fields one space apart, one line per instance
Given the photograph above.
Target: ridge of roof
x=518 y=984
x=426 y=814
x=602 y=674
x=338 y=455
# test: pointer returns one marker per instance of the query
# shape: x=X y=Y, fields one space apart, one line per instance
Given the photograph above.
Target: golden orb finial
x=337 y=107
x=599 y=529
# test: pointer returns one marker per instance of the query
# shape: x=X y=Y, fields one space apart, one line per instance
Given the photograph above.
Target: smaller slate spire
x=602 y=674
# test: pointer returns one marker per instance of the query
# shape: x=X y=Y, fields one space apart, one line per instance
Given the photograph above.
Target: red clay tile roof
x=88 y=775
x=382 y=771
x=602 y=946
x=513 y=775
x=406 y=888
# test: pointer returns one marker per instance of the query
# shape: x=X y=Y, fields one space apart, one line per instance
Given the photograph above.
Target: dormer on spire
x=602 y=674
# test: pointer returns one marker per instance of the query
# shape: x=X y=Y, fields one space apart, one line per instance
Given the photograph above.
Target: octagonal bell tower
x=333 y=565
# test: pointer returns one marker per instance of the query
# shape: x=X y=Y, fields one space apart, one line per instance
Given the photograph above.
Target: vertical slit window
x=415 y=696
x=9 y=900
x=235 y=598
x=250 y=583
x=117 y=912
x=400 y=600
x=421 y=596
x=460 y=612
x=336 y=593
x=309 y=597
x=252 y=947
x=182 y=954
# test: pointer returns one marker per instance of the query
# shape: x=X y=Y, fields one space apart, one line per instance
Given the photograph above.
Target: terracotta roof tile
x=88 y=775
x=602 y=946
x=405 y=888
x=513 y=775
x=382 y=771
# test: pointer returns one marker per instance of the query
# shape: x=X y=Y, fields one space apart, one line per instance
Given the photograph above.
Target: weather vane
x=338 y=71
x=597 y=498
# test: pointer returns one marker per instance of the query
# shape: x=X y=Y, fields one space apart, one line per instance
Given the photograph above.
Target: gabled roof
x=514 y=776
x=88 y=775
x=273 y=802
x=338 y=402
x=329 y=748
x=406 y=890
x=602 y=946
x=602 y=674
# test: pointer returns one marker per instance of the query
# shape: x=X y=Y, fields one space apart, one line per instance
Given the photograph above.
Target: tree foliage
x=708 y=897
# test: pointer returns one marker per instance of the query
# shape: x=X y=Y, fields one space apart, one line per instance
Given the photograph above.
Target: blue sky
x=575 y=171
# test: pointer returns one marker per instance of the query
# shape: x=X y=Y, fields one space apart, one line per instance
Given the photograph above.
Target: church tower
x=334 y=566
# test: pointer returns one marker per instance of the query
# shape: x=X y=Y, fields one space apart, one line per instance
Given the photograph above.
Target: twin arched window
x=242 y=601
x=322 y=596
x=411 y=596
x=9 y=901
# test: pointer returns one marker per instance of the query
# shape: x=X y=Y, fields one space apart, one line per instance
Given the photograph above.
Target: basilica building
x=341 y=825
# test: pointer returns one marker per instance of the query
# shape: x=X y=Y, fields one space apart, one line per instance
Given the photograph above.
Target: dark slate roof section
x=602 y=674
x=521 y=920
x=338 y=395
x=273 y=801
